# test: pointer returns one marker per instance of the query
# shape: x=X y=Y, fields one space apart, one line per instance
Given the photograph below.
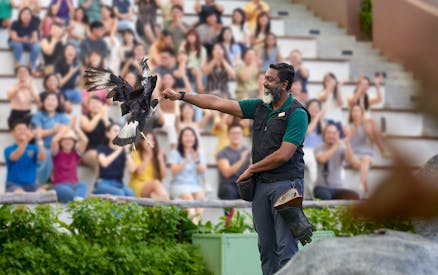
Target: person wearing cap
x=280 y=125
x=67 y=147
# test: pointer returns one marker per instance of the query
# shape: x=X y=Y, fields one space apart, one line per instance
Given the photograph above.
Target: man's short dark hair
x=168 y=50
x=13 y=124
x=286 y=72
x=95 y=25
x=176 y=6
x=234 y=125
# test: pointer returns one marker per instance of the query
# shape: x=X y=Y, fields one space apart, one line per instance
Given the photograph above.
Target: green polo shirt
x=297 y=122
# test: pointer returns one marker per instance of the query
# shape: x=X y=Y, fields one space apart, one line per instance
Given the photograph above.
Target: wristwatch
x=183 y=94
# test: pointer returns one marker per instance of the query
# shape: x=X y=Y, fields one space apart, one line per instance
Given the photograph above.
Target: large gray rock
x=391 y=252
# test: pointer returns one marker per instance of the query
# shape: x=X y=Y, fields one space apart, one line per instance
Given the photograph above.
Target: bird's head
x=146 y=72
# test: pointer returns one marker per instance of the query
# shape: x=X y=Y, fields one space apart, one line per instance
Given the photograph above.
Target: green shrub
x=342 y=223
x=366 y=17
x=103 y=238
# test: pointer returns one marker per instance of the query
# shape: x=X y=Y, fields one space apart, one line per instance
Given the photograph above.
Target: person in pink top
x=66 y=149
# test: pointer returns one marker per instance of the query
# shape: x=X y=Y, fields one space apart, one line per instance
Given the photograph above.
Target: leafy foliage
x=103 y=238
x=342 y=223
x=366 y=17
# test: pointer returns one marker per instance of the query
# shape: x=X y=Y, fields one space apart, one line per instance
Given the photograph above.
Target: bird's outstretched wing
x=99 y=79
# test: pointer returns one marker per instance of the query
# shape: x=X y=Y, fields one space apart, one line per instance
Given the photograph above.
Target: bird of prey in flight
x=137 y=103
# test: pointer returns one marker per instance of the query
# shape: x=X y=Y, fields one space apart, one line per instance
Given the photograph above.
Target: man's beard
x=273 y=95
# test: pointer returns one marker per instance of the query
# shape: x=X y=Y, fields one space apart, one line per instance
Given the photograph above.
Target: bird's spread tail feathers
x=129 y=134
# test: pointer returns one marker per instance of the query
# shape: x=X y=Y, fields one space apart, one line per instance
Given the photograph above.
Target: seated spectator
x=110 y=22
x=133 y=63
x=239 y=29
x=92 y=8
x=262 y=30
x=21 y=95
x=62 y=9
x=48 y=20
x=252 y=11
x=187 y=115
x=313 y=139
x=146 y=24
x=269 y=52
x=298 y=93
x=23 y=35
x=6 y=8
x=196 y=55
x=188 y=168
x=126 y=49
x=67 y=150
x=361 y=97
x=113 y=160
x=163 y=43
x=77 y=28
x=232 y=161
x=232 y=50
x=301 y=72
x=21 y=159
x=219 y=72
x=220 y=129
x=361 y=133
x=166 y=8
x=35 y=7
x=246 y=76
x=330 y=157
x=177 y=27
x=170 y=112
x=332 y=98
x=52 y=47
x=94 y=42
x=68 y=70
x=49 y=121
x=124 y=14
x=94 y=60
x=181 y=73
x=209 y=30
x=167 y=62
x=150 y=169
x=94 y=124
x=51 y=84
x=209 y=6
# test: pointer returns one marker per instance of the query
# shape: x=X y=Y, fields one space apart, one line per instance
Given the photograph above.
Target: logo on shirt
x=282 y=114
x=31 y=154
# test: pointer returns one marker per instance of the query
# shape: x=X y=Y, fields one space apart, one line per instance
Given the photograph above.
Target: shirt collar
x=285 y=105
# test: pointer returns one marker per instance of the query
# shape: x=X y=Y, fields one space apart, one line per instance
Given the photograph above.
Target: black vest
x=267 y=138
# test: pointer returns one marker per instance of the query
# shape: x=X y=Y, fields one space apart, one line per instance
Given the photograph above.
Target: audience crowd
x=203 y=57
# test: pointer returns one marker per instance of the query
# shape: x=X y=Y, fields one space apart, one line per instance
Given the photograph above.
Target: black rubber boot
x=289 y=207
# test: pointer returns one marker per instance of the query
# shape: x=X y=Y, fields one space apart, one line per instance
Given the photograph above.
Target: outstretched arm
x=207 y=101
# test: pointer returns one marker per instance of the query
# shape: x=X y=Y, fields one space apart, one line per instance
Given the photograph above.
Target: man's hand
x=245 y=175
x=170 y=94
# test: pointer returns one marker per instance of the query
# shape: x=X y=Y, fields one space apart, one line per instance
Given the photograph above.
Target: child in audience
x=150 y=169
x=113 y=160
x=67 y=148
x=21 y=159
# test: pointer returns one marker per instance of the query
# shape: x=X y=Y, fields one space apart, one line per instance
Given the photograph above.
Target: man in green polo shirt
x=280 y=124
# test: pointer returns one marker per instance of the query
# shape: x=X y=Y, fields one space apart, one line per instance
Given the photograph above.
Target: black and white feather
x=136 y=101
